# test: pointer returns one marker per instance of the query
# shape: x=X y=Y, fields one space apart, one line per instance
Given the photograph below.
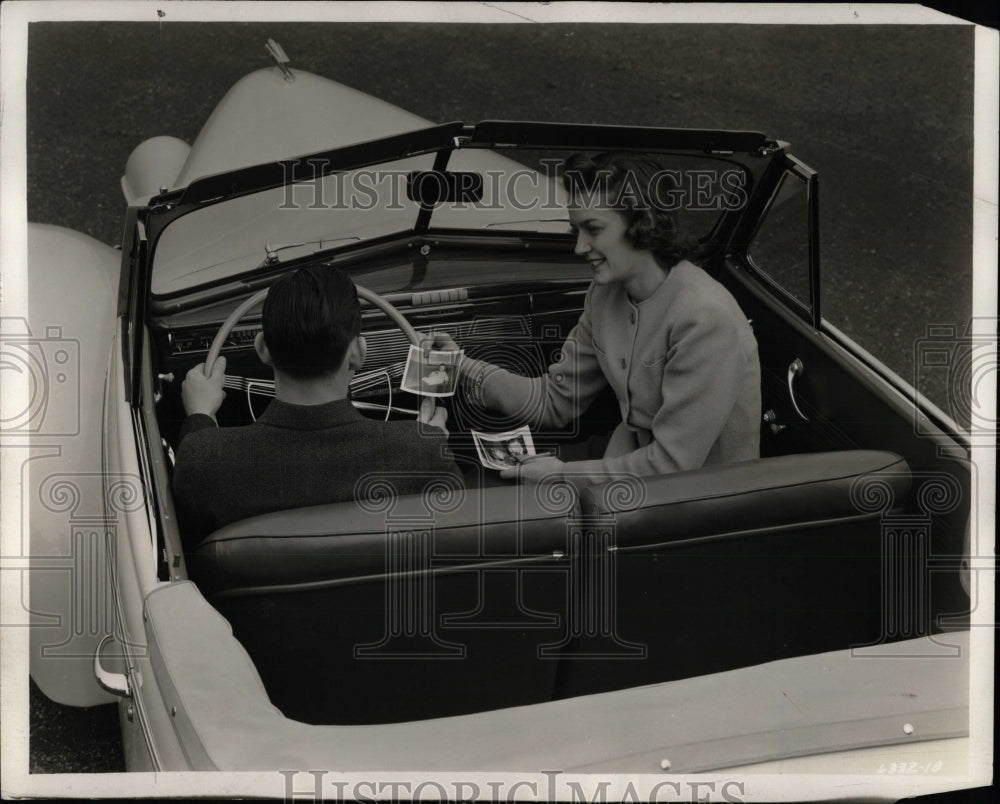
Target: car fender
x=64 y=519
x=152 y=166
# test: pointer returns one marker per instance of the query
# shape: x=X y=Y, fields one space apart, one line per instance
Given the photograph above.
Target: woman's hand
x=442 y=342
x=535 y=469
x=439 y=342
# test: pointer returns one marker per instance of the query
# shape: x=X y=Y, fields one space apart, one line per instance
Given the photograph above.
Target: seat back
x=732 y=565
x=400 y=609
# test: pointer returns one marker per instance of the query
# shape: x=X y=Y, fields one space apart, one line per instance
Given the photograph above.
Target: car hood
x=265 y=118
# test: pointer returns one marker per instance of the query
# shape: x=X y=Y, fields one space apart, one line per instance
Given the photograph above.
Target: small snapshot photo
x=503 y=450
x=437 y=375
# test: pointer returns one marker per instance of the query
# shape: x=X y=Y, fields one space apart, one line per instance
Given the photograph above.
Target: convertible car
x=806 y=611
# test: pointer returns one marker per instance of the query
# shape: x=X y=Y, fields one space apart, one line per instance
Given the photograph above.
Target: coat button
x=631 y=317
x=624 y=363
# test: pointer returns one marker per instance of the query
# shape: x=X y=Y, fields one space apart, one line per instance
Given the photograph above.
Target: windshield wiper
x=523 y=223
x=271 y=252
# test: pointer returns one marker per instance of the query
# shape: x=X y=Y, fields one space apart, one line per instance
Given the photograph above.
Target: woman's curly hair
x=636 y=186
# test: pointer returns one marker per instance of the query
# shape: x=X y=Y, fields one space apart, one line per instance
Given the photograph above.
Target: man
x=310 y=446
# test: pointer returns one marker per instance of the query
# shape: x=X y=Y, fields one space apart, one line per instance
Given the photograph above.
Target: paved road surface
x=884 y=115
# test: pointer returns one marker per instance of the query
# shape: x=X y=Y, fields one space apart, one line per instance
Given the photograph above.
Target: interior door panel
x=848 y=407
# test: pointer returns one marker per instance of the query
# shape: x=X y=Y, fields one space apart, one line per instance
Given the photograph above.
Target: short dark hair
x=635 y=185
x=309 y=319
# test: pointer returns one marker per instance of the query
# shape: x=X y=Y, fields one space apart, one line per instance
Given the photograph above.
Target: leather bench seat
x=428 y=606
x=437 y=604
x=751 y=495
x=735 y=565
x=346 y=541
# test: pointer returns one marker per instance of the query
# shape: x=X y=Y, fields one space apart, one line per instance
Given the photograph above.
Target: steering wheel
x=227 y=326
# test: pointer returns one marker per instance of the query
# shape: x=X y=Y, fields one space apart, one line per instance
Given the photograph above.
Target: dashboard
x=515 y=324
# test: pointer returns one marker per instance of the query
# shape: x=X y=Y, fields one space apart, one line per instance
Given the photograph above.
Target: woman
x=670 y=340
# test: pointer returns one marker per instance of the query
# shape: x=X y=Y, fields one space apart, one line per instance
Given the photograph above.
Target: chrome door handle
x=115 y=683
x=795 y=368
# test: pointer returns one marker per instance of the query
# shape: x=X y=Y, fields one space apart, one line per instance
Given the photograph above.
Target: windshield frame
x=750 y=150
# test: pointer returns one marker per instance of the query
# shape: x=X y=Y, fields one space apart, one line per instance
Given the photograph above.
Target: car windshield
x=521 y=192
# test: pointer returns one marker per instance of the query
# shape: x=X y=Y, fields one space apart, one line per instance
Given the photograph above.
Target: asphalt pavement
x=884 y=114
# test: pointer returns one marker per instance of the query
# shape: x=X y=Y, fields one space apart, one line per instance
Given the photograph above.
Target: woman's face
x=600 y=239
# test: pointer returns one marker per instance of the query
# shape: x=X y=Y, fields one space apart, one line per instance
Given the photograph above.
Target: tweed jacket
x=295 y=456
x=683 y=364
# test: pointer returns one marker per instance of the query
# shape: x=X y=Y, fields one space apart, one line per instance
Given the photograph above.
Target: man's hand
x=201 y=394
x=532 y=469
x=432 y=415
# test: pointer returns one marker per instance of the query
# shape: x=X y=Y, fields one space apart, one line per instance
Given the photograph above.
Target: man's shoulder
x=218 y=439
x=412 y=433
x=416 y=443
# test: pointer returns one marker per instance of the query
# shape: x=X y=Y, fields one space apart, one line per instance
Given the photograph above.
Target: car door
x=134 y=560
x=821 y=391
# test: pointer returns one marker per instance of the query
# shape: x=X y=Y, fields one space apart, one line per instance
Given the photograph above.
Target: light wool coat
x=683 y=364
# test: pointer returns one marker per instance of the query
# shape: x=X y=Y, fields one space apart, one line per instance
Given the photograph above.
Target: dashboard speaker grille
x=389 y=346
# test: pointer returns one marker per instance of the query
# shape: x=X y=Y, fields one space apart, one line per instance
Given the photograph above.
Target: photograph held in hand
x=504 y=450
x=431 y=373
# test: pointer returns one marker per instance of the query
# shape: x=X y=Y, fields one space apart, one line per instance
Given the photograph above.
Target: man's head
x=311 y=324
